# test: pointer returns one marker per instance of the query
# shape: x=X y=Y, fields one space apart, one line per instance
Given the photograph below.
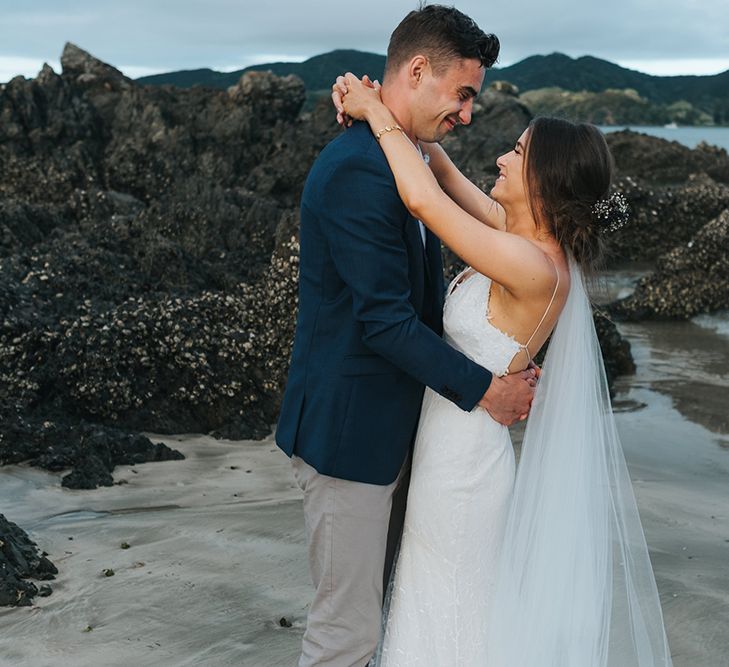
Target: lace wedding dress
x=550 y=571
x=462 y=478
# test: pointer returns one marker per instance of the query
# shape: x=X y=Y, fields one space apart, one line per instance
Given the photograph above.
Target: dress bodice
x=467 y=327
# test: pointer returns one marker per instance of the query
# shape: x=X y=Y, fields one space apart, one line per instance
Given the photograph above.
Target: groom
x=368 y=337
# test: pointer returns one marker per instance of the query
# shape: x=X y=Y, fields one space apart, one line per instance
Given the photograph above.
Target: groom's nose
x=464 y=115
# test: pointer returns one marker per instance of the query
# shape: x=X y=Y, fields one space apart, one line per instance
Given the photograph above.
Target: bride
x=550 y=568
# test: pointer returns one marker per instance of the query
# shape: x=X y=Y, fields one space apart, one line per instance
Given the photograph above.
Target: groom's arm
x=362 y=220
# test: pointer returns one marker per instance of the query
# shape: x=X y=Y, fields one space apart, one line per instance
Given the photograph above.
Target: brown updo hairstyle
x=568 y=169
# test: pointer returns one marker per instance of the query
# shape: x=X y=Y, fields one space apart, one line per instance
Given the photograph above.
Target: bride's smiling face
x=510 y=187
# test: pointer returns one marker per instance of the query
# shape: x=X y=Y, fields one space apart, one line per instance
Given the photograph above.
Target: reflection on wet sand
x=688 y=363
x=671 y=416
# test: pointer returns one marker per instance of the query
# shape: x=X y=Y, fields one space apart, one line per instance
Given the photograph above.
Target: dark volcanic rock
x=145 y=204
x=19 y=561
x=90 y=71
x=664 y=217
x=615 y=349
x=149 y=256
x=673 y=192
x=91 y=450
x=691 y=279
x=200 y=363
x=660 y=162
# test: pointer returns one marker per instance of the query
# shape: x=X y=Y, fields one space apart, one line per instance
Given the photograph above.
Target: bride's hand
x=361 y=99
x=340 y=89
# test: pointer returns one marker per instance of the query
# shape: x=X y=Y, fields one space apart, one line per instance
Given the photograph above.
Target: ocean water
x=689 y=136
x=716 y=322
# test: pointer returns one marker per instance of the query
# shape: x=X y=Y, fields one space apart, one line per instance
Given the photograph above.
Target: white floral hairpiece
x=612 y=212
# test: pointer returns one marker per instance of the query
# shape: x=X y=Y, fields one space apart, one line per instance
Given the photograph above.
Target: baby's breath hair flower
x=612 y=212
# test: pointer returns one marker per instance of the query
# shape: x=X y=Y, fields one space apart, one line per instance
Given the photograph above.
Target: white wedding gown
x=461 y=484
x=550 y=570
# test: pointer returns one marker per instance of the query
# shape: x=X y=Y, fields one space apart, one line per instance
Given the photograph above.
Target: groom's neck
x=399 y=105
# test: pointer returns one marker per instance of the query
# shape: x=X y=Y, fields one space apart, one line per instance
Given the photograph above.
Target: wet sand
x=216 y=558
x=674 y=423
x=217 y=554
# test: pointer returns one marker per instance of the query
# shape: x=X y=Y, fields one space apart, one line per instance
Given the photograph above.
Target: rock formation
x=149 y=256
x=20 y=561
x=692 y=278
x=673 y=192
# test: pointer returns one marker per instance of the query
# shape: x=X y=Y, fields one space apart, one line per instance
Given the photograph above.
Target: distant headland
x=586 y=88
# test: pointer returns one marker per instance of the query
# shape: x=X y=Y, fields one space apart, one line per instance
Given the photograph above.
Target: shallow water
x=673 y=417
x=689 y=136
x=685 y=361
x=718 y=322
x=674 y=424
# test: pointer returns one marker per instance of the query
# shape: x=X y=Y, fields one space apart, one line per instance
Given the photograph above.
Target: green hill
x=708 y=94
x=190 y=77
x=317 y=73
x=611 y=107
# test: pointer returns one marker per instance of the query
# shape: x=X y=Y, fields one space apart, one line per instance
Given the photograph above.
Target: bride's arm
x=456 y=185
x=510 y=260
x=461 y=190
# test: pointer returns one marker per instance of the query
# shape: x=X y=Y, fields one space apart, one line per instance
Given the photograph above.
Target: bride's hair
x=568 y=170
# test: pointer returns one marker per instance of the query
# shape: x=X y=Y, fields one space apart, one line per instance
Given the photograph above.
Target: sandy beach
x=216 y=555
x=216 y=559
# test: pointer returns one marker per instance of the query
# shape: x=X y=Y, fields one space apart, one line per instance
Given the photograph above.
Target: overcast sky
x=144 y=37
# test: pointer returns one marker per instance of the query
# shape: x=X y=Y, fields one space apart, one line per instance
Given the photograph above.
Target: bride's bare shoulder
x=542 y=267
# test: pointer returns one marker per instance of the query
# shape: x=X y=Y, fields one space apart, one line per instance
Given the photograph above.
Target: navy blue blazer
x=368 y=333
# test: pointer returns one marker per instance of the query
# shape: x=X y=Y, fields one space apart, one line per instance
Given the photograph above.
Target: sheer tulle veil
x=575 y=586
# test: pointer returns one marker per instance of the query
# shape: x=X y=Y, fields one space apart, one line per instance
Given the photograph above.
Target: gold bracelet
x=387 y=128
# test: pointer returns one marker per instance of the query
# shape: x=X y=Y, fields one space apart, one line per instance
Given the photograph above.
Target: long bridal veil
x=575 y=587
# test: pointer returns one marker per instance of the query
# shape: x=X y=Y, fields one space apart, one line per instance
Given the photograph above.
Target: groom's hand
x=509 y=399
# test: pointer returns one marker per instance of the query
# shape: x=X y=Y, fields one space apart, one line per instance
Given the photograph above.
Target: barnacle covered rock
x=692 y=278
x=149 y=256
x=664 y=217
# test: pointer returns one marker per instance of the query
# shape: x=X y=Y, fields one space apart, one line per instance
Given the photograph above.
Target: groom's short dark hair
x=442 y=34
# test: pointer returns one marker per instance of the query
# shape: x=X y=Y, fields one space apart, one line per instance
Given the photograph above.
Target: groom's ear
x=417 y=67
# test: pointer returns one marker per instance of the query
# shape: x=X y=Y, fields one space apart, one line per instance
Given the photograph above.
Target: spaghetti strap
x=525 y=346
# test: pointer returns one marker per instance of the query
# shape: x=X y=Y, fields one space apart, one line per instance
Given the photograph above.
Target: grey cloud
x=224 y=33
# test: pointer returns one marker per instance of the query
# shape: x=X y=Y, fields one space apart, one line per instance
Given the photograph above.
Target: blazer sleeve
x=362 y=218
